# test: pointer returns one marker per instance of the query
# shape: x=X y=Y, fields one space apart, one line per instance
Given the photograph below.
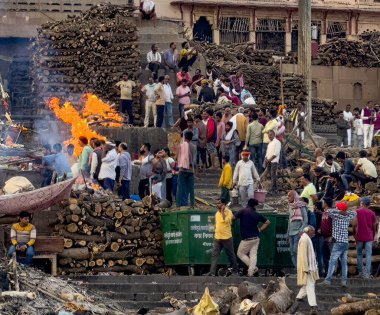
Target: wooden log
x=67 y=271
x=138 y=261
x=114 y=236
x=99 y=262
x=65 y=261
x=114 y=255
x=125 y=229
x=115 y=246
x=81 y=243
x=128 y=268
x=148 y=252
x=88 y=238
x=72 y=218
x=68 y=242
x=118 y=215
x=356 y=307
x=354 y=261
x=76 y=253
x=104 y=222
x=72 y=227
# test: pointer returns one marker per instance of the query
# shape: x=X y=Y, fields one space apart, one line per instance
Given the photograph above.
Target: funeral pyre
x=90 y=112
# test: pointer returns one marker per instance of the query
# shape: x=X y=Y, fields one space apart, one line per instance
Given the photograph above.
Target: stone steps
x=134 y=292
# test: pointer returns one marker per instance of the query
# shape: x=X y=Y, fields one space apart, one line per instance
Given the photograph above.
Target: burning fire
x=94 y=109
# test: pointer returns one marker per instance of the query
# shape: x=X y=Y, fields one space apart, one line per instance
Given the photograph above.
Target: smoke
x=48 y=131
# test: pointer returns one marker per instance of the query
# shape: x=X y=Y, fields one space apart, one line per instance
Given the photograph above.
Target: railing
x=55 y=5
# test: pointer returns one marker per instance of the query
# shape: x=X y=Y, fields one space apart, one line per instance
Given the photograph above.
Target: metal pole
x=304 y=51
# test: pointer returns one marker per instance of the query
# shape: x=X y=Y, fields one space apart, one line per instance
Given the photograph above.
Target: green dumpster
x=188 y=238
x=274 y=250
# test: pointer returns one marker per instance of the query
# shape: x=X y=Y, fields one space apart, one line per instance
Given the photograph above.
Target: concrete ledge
x=136 y=136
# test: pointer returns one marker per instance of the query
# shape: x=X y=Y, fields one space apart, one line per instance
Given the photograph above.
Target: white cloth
x=148 y=6
x=94 y=163
x=169 y=173
x=109 y=163
x=153 y=57
x=16 y=185
x=368 y=167
x=274 y=148
x=368 y=135
x=309 y=291
x=245 y=173
x=168 y=93
x=358 y=127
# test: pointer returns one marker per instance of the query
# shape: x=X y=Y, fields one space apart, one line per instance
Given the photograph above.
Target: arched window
x=358 y=91
x=314 y=89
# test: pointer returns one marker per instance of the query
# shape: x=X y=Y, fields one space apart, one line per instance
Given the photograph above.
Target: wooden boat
x=35 y=200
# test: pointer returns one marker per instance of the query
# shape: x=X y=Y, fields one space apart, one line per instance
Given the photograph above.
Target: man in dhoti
x=307 y=272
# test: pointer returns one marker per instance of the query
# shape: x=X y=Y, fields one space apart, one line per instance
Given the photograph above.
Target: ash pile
x=29 y=291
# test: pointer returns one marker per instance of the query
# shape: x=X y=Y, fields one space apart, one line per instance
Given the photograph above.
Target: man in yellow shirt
x=223 y=238
x=125 y=87
x=23 y=237
x=225 y=181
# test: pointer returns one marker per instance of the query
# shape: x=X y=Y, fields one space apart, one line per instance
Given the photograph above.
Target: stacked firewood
x=105 y=234
x=342 y=52
x=238 y=53
x=260 y=73
x=83 y=53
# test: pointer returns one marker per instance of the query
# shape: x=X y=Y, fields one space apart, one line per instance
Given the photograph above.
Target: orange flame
x=79 y=123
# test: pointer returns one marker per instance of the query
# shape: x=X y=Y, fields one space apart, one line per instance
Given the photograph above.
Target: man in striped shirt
x=23 y=237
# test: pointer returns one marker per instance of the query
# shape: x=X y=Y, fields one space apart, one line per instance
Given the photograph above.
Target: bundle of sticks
x=89 y=52
x=105 y=234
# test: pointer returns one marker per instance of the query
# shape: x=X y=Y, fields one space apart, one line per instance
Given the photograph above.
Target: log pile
x=352 y=305
x=260 y=74
x=83 y=53
x=349 y=53
x=105 y=234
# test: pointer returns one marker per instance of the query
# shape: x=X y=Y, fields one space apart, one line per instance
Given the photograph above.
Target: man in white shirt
x=154 y=61
x=365 y=171
x=148 y=90
x=244 y=175
x=358 y=129
x=107 y=172
x=168 y=102
x=147 y=11
x=368 y=116
x=272 y=157
x=347 y=115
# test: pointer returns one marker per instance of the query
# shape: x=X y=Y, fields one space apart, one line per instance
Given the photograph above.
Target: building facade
x=272 y=24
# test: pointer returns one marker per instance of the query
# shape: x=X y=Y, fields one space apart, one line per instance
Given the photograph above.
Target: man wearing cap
x=244 y=175
x=341 y=219
x=207 y=93
x=365 y=228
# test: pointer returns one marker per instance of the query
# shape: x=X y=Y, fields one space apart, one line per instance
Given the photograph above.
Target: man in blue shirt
x=249 y=230
x=59 y=162
x=171 y=59
x=348 y=168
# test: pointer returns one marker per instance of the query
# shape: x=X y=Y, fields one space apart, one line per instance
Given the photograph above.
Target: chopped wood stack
x=260 y=74
x=105 y=234
x=343 y=52
x=237 y=53
x=83 y=53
